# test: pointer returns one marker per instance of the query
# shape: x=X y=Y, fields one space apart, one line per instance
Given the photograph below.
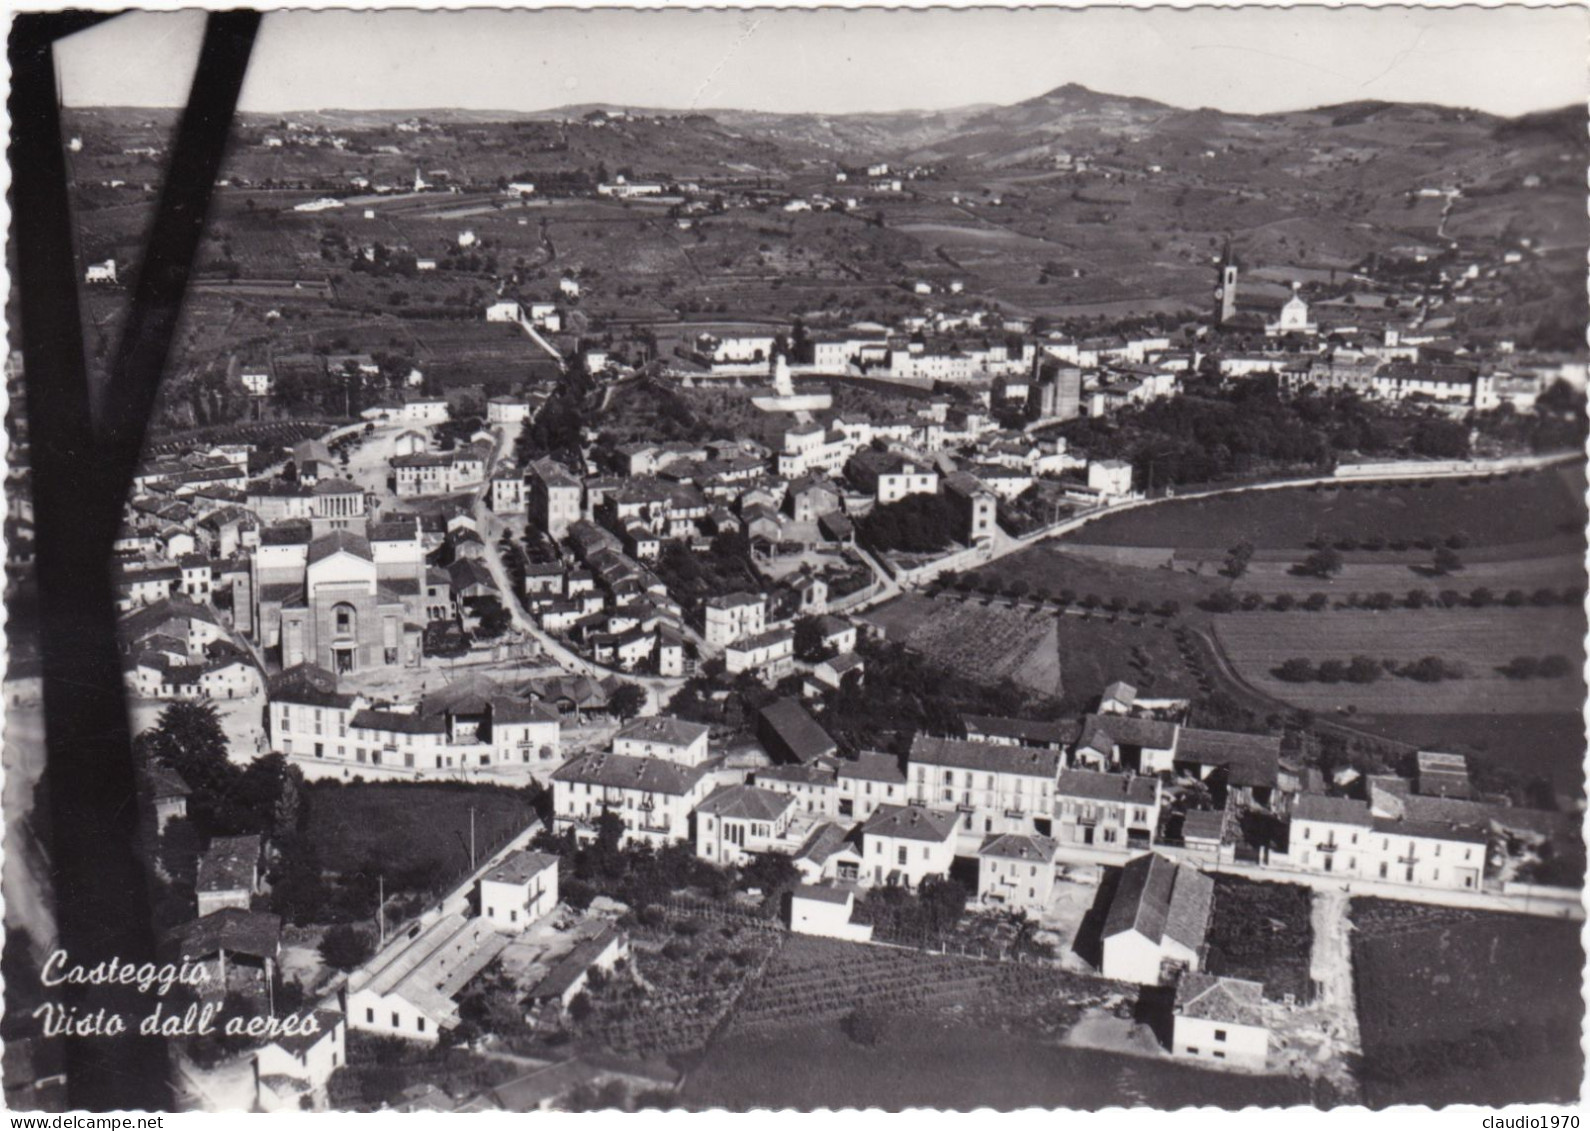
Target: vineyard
x=1466 y=1006
x=264 y=433
x=817 y=980
x=1263 y=932
x=686 y=981
x=989 y=644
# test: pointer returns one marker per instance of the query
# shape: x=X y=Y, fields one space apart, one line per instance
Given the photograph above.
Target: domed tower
x=1226 y=287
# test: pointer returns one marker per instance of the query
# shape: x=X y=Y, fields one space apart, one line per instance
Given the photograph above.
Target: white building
x=1110 y=477
x=905 y=844
x=826 y=912
x=307 y=1059
x=398 y=994
x=665 y=737
x=100 y=272
x=870 y=780
x=520 y=890
x=1220 y=1019
x=505 y=310
x=732 y=616
x=771 y=655
x=738 y=822
x=653 y=797
x=1341 y=836
x=1016 y=870
x=991 y=788
x=1160 y=914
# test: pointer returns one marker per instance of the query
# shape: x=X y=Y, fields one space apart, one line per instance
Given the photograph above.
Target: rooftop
x=910 y=822
x=992 y=757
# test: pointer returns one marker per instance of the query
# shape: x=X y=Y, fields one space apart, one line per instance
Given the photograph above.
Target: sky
x=1250 y=60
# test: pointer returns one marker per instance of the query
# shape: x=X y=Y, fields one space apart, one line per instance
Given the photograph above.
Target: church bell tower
x=1226 y=287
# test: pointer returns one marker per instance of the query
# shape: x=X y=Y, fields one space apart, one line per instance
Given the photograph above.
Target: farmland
x=985 y=644
x=416 y=835
x=1493 y=511
x=1478 y=640
x=1263 y=932
x=1466 y=1007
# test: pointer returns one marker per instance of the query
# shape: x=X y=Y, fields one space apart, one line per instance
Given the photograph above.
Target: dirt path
x=1321 y=1039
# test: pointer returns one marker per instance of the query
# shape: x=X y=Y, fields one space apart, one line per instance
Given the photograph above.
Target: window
x=419 y=1023
x=369 y=1017
x=396 y=1021
x=1219 y=1054
x=1220 y=1034
x=902 y=856
x=1192 y=1050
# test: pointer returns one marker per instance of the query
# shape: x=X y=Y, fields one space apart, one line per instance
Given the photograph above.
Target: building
x=1113 y=812
x=814 y=786
x=906 y=844
x=1039 y=734
x=570 y=975
x=976 y=507
x=869 y=780
x=826 y=912
x=1220 y=1019
x=788 y=733
x=662 y=736
x=1159 y=915
x=555 y=498
x=228 y=874
x=305 y=1059
x=1341 y=836
x=732 y=616
x=738 y=822
x=992 y=788
x=520 y=890
x=100 y=274
x=654 y=798
x=1016 y=870
x=1111 y=478
x=769 y=655
x=890 y=476
x=407 y=990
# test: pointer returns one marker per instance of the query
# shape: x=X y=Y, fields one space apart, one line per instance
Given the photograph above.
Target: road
x=658 y=689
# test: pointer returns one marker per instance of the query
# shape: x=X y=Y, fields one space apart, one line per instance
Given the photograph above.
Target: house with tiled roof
x=1159 y=914
x=1220 y=1020
x=1055 y=734
x=519 y=889
x=663 y=736
x=814 y=785
x=228 y=874
x=652 y=796
x=867 y=781
x=1016 y=870
x=788 y=733
x=1425 y=847
x=1110 y=812
x=995 y=788
x=738 y=822
x=905 y=844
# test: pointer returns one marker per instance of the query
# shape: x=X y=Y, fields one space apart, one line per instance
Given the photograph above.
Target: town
x=570 y=685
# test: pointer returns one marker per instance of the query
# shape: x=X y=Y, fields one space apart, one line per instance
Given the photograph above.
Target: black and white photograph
x=622 y=559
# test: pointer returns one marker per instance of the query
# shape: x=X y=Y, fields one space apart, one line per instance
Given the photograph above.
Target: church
x=343 y=601
x=1254 y=305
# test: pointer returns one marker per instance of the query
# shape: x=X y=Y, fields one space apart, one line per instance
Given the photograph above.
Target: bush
x=1331 y=671
x=1252 y=602
x=1417 y=599
x=1169 y=608
x=580 y=1007
x=863 y=1026
x=1283 y=602
x=1555 y=667
x=1481 y=597
x=1220 y=601
x=343 y=947
x=1380 y=602
x=1543 y=597
x=1316 y=602
x=1363 y=669
x=1451 y=598
x=1296 y=670
x=1522 y=667
x=1513 y=598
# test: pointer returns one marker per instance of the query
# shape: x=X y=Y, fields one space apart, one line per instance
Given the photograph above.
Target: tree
x=580 y=1007
x=864 y=1026
x=1554 y=667
x=1331 y=671
x=1237 y=559
x=344 y=947
x=1522 y=667
x=1481 y=597
x=1417 y=599
x=1363 y=669
x=1380 y=602
x=809 y=644
x=627 y=701
x=1446 y=560
x=1297 y=670
x=1326 y=563
x=1283 y=602
x=1316 y=602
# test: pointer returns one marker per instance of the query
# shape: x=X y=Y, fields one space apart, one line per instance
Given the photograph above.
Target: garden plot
x=1477 y=640
x=990 y=644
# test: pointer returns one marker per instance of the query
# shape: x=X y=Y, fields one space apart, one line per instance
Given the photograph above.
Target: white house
x=466 y=238
x=520 y=890
x=397 y=994
x=733 y=615
x=870 y=780
x=826 y=911
x=1342 y=836
x=738 y=822
x=652 y=796
x=771 y=655
x=1016 y=870
x=993 y=788
x=663 y=736
x=1220 y=1019
x=100 y=272
x=1110 y=477
x=905 y=844
x=256 y=381
x=1160 y=914
x=304 y=1058
x=570 y=288
x=505 y=310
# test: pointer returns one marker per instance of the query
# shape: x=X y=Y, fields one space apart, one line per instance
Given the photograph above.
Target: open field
x=1490 y=511
x=985 y=644
x=952 y=1066
x=416 y=831
x=1466 y=1007
x=1557 y=572
x=1477 y=639
x=1539 y=745
x=1263 y=932
x=1048 y=567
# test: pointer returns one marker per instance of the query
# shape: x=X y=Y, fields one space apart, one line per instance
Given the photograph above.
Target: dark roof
x=814 y=773
x=339 y=542
x=1109 y=731
x=985 y=756
x=1204 y=824
x=255 y=933
x=573 y=965
x=746 y=802
x=1028 y=732
x=872 y=765
x=662 y=728
x=910 y=822
x=1096 y=786
x=825 y=839
x=1249 y=759
x=1332 y=810
x=298 y=1042
x=822 y=894
x=796 y=730
x=399 y=722
x=1235 y=1001
x=1159 y=899
x=650 y=775
x=231 y=863
x=521 y=867
x=1431 y=830
x=1019 y=846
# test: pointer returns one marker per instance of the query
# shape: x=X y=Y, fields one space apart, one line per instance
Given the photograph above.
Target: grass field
x=414 y=831
x=1477 y=639
x=1048 y=566
x=1462 y=1006
x=1491 y=511
x=951 y=1066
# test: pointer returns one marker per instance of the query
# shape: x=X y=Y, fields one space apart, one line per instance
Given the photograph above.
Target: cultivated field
x=1489 y=511
x=1477 y=639
x=1466 y=1007
x=1263 y=931
x=985 y=644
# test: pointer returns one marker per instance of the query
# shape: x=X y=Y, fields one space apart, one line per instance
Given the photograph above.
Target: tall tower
x=1226 y=287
